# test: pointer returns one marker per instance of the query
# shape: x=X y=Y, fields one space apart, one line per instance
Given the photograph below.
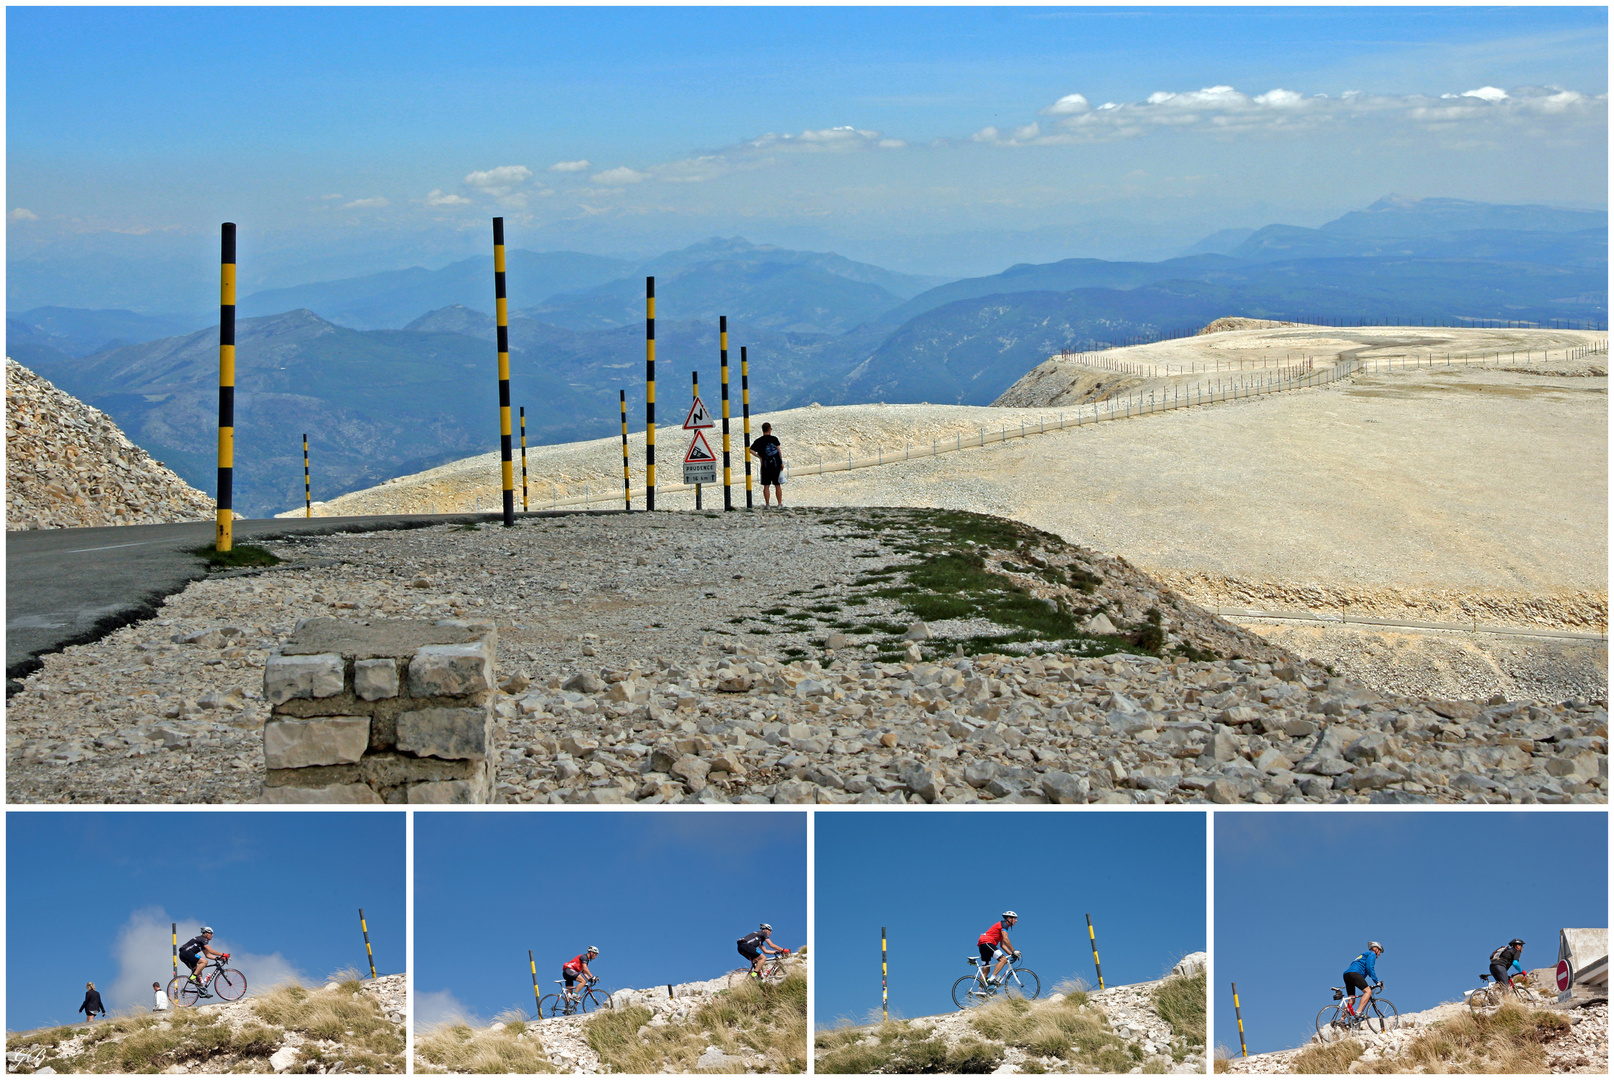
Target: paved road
x=69 y=586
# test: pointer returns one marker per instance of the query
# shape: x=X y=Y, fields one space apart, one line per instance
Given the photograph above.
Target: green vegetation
x=897 y=1047
x=1180 y=1001
x=1058 y=1029
x=239 y=555
x=457 y=1048
x=767 y=1020
x=1510 y=1040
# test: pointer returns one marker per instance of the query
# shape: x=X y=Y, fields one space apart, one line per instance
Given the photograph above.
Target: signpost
x=700 y=464
x=1566 y=977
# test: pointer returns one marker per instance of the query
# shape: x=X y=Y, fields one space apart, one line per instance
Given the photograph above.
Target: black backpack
x=770 y=454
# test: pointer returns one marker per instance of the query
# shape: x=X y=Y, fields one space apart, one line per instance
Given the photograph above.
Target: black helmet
x=1516 y=941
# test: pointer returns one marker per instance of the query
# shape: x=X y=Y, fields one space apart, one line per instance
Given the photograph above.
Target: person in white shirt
x=162 y=998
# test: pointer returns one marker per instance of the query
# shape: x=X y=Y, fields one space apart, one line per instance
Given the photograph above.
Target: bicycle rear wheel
x=173 y=988
x=1380 y=1016
x=190 y=992
x=1483 y=998
x=1328 y=1030
x=968 y=992
x=1023 y=983
x=551 y=1005
x=229 y=984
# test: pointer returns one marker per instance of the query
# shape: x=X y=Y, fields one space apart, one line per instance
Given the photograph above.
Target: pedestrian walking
x=771 y=455
x=92 y=1002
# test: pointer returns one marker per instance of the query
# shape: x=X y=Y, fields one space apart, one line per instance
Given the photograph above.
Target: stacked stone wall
x=381 y=711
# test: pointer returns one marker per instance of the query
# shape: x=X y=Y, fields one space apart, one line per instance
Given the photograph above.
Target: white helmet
x=1010 y=915
x=767 y=927
x=1375 y=945
x=207 y=930
x=592 y=951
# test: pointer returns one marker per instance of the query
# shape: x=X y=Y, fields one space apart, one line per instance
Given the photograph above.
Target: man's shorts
x=750 y=954
x=189 y=960
x=571 y=975
x=988 y=952
x=1355 y=981
x=772 y=476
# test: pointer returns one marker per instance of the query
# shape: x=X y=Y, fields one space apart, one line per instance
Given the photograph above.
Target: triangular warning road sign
x=699 y=450
x=698 y=417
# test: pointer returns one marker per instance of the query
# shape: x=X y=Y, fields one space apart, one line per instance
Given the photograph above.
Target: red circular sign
x=1564 y=975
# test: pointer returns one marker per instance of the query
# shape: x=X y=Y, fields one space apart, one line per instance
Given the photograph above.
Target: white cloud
x=365 y=204
x=330 y=198
x=144 y=955
x=435 y=1008
x=435 y=197
x=569 y=166
x=23 y=214
x=501 y=181
x=1487 y=93
x=620 y=175
x=1067 y=105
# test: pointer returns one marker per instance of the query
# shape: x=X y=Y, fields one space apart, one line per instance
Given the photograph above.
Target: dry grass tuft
x=1510 y=1040
x=752 y=1020
x=1334 y=1057
x=899 y=1047
x=456 y=1048
x=1180 y=1001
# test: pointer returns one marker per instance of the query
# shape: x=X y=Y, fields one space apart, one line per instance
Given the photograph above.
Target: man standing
x=768 y=451
x=161 y=1004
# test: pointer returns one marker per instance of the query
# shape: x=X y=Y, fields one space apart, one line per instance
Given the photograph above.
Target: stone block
x=374 y=680
x=458 y=792
x=445 y=733
x=332 y=793
x=330 y=740
x=314 y=676
x=451 y=670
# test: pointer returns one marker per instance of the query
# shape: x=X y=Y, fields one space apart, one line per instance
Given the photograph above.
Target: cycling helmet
x=1375 y=945
x=767 y=927
x=1010 y=915
x=1516 y=941
x=207 y=930
x=592 y=951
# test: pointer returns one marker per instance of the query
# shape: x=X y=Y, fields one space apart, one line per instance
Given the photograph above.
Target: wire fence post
x=885 y=1016
x=1093 y=941
x=368 y=955
x=224 y=513
x=536 y=1000
x=502 y=310
x=1243 y=1049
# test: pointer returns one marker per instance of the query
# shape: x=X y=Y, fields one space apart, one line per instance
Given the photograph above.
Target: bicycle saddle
x=972 y=960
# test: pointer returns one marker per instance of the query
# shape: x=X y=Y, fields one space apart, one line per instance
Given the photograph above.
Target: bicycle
x=772 y=970
x=1334 y=1021
x=570 y=1003
x=227 y=984
x=1014 y=980
x=1491 y=993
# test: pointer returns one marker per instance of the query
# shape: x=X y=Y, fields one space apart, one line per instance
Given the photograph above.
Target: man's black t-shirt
x=1505 y=955
x=753 y=940
x=767 y=448
x=194 y=946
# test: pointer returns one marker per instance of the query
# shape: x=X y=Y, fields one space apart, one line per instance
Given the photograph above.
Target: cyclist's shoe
x=205 y=994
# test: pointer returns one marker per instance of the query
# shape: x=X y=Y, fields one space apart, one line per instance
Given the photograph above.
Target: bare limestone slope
x=354 y=1026
x=69 y=465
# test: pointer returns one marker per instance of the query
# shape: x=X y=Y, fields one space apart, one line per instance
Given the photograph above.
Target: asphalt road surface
x=69 y=586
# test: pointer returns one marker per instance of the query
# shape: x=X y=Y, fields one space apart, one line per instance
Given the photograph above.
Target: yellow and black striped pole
x=695 y=377
x=502 y=311
x=523 y=459
x=173 y=930
x=885 y=1015
x=745 y=412
x=308 y=489
x=225 y=515
x=1245 y=1050
x=368 y=955
x=649 y=393
x=627 y=477
x=723 y=333
x=536 y=1000
x=1093 y=941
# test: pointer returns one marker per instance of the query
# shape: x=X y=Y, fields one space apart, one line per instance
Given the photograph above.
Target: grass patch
x=1333 y=1057
x=1180 y=1001
x=239 y=555
x=457 y=1048
x=352 y=1018
x=1510 y=1040
x=1066 y=1030
x=776 y=611
x=752 y=1020
x=897 y=1047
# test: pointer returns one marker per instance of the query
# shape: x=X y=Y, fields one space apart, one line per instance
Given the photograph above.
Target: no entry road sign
x=1565 y=976
x=700 y=464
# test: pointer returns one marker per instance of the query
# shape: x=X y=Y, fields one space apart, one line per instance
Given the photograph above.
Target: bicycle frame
x=974 y=989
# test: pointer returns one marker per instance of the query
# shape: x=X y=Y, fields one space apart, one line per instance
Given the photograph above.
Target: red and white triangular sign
x=699 y=450
x=698 y=417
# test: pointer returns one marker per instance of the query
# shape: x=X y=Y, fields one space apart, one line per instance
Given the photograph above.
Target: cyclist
x=755 y=947
x=995 y=946
x=1505 y=961
x=575 y=968
x=194 y=953
x=1361 y=976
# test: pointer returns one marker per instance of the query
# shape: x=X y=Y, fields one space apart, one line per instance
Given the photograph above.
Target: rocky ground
x=69 y=465
x=241 y=1036
x=777 y=657
x=1583 y=1048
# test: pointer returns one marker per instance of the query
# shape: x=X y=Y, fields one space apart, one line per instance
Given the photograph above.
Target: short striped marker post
x=308 y=490
x=745 y=412
x=885 y=1015
x=523 y=459
x=649 y=393
x=723 y=350
x=1245 y=1050
x=536 y=1000
x=173 y=930
x=225 y=514
x=627 y=477
x=368 y=955
x=1093 y=941
x=502 y=309
x=695 y=379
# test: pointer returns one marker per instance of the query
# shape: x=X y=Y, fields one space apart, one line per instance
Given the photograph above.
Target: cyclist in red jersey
x=577 y=968
x=995 y=945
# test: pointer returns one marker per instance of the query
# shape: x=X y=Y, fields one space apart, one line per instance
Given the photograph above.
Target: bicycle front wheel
x=190 y=992
x=1327 y=1028
x=968 y=992
x=229 y=984
x=1380 y=1016
x=774 y=974
x=591 y=1001
x=1024 y=983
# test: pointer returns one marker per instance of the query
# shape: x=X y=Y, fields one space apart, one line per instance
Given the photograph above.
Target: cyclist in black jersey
x=194 y=953
x=754 y=946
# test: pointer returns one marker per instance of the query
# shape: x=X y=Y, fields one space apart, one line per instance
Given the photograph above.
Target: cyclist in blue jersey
x=1361 y=976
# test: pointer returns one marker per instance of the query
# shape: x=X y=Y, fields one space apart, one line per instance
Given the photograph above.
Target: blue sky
x=1299 y=895
x=90 y=898
x=937 y=880
x=353 y=139
x=663 y=895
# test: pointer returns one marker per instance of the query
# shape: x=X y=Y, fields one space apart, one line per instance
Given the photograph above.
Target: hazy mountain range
x=394 y=372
